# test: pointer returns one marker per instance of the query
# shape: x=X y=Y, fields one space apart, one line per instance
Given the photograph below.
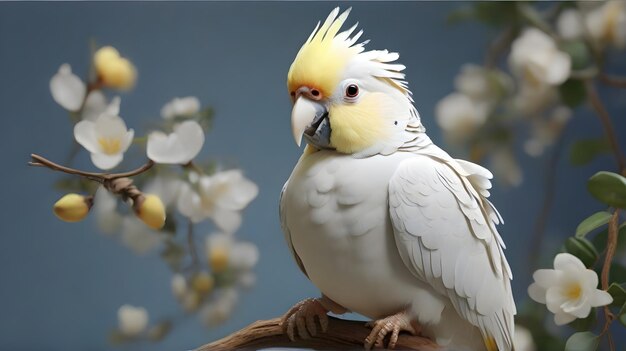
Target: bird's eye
x=352 y=90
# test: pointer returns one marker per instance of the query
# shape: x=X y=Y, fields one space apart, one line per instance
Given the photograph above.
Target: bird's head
x=345 y=98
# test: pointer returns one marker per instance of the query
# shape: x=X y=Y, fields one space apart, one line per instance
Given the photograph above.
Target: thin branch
x=342 y=335
x=40 y=161
x=605 y=119
x=498 y=46
x=613 y=80
x=606 y=267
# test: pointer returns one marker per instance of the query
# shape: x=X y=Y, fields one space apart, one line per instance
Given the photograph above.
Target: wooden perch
x=342 y=335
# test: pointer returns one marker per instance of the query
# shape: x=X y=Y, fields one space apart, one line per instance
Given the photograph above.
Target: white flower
x=105 y=208
x=536 y=59
x=505 y=167
x=179 y=147
x=246 y=279
x=481 y=84
x=139 y=237
x=523 y=339
x=218 y=310
x=220 y=197
x=67 y=89
x=607 y=23
x=179 y=285
x=545 y=131
x=165 y=187
x=180 y=107
x=531 y=100
x=96 y=104
x=106 y=139
x=459 y=116
x=570 y=24
x=569 y=290
x=132 y=320
x=223 y=252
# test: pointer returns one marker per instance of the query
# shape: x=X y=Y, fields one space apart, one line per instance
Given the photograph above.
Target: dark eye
x=352 y=90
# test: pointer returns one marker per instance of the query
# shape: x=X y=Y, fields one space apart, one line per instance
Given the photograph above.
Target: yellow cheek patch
x=357 y=126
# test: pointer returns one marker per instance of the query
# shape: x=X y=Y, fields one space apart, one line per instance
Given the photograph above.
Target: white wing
x=286 y=232
x=445 y=231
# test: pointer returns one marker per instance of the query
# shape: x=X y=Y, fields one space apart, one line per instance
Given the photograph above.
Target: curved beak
x=305 y=113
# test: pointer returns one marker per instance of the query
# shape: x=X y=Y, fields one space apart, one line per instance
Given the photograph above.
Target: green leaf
x=583 y=249
x=496 y=13
x=617 y=272
x=592 y=223
x=609 y=188
x=572 y=92
x=622 y=315
x=618 y=293
x=600 y=239
x=584 y=151
x=583 y=341
x=578 y=51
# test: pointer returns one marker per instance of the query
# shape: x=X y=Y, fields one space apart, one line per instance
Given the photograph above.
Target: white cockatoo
x=381 y=220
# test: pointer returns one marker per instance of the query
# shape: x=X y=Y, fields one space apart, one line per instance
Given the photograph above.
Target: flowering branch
x=40 y=161
x=342 y=335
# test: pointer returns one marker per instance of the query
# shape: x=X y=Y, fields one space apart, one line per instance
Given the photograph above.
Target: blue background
x=61 y=284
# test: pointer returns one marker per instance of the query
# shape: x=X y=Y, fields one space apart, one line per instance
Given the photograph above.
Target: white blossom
x=459 y=116
x=224 y=251
x=536 y=59
x=220 y=197
x=139 y=237
x=545 y=131
x=569 y=290
x=67 y=89
x=531 y=100
x=181 y=107
x=221 y=308
x=482 y=84
x=523 y=339
x=570 y=24
x=96 y=104
x=178 y=147
x=179 y=285
x=106 y=138
x=132 y=320
x=105 y=209
x=607 y=23
x=167 y=188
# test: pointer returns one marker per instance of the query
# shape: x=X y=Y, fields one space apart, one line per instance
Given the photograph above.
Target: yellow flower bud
x=203 y=283
x=113 y=70
x=149 y=208
x=218 y=259
x=72 y=207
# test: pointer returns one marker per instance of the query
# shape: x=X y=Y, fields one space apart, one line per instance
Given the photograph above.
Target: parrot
x=380 y=219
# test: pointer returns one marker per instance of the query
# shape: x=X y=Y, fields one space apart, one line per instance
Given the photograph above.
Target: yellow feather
x=321 y=59
x=360 y=125
x=490 y=344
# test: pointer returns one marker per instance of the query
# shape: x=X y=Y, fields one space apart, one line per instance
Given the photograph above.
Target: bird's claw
x=301 y=317
x=392 y=324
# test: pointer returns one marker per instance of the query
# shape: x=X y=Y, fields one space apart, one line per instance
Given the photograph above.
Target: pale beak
x=304 y=113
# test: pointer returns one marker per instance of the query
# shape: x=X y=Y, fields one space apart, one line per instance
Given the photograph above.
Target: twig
x=606 y=267
x=605 y=119
x=342 y=335
x=40 y=161
x=614 y=81
x=498 y=46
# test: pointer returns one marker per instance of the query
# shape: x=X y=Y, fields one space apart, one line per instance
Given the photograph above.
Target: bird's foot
x=301 y=317
x=393 y=324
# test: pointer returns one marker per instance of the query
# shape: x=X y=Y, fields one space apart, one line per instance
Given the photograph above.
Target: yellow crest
x=324 y=56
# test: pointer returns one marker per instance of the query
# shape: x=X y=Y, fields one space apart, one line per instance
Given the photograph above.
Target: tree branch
x=342 y=335
x=40 y=161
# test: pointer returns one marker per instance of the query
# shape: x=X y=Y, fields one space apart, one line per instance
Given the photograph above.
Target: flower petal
x=85 y=135
x=546 y=277
x=110 y=126
x=67 y=89
x=568 y=262
x=537 y=293
x=106 y=162
x=555 y=297
x=227 y=220
x=190 y=205
x=179 y=147
x=563 y=318
x=95 y=104
x=600 y=298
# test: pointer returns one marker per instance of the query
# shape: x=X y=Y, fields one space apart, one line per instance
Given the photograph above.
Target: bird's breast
x=337 y=214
